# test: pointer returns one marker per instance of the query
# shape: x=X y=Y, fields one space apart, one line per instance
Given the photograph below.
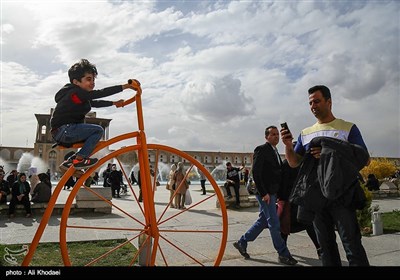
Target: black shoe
x=241 y=250
x=287 y=260
x=66 y=164
x=319 y=253
x=237 y=206
x=229 y=196
x=84 y=163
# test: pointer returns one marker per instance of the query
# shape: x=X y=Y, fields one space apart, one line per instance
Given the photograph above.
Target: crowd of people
x=20 y=188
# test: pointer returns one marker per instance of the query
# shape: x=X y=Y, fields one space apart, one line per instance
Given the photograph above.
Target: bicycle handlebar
x=138 y=89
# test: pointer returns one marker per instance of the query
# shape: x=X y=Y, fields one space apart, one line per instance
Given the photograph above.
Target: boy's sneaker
x=66 y=164
x=84 y=163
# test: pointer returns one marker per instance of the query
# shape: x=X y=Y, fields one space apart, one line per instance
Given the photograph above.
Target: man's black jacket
x=266 y=170
x=331 y=177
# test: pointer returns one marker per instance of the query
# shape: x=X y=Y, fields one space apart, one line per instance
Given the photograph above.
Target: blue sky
x=214 y=73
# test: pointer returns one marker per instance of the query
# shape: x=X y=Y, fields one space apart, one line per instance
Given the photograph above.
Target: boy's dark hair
x=268 y=128
x=326 y=93
x=79 y=69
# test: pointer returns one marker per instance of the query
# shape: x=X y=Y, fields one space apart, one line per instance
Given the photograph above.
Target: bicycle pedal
x=77 y=173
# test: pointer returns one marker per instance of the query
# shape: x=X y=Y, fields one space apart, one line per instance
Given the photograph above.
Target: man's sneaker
x=84 y=163
x=241 y=250
x=287 y=260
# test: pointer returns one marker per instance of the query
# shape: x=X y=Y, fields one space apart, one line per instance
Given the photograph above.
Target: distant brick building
x=53 y=157
x=12 y=155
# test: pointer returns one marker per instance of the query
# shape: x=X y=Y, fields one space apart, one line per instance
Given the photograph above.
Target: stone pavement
x=383 y=250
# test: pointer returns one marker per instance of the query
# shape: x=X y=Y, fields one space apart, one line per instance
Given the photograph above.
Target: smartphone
x=285 y=126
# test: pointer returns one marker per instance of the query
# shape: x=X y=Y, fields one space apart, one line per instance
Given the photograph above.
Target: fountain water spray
x=28 y=164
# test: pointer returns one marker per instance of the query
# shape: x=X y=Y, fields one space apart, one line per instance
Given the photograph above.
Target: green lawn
x=49 y=254
x=391 y=221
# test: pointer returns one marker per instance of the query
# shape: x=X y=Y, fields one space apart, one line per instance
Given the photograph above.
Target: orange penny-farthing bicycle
x=162 y=235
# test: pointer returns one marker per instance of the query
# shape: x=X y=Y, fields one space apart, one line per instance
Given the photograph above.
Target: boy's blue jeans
x=90 y=134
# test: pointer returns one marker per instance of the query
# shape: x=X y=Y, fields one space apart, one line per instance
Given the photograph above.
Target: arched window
x=52 y=154
x=18 y=154
x=5 y=154
x=53 y=162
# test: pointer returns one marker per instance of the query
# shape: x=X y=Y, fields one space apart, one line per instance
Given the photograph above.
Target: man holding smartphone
x=338 y=212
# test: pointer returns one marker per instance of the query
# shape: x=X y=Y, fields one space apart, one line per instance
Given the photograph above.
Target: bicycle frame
x=151 y=229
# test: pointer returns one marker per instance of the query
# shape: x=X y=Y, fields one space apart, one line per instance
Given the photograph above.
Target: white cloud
x=214 y=74
x=218 y=100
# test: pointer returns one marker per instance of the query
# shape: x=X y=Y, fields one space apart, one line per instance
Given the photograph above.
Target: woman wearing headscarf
x=181 y=186
x=20 y=195
x=42 y=192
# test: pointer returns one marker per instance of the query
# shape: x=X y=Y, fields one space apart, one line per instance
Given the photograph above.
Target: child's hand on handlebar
x=119 y=103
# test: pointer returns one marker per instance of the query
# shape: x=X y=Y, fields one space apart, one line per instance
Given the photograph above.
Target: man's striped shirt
x=337 y=128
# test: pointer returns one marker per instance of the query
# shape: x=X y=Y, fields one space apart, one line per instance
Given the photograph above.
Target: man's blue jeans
x=267 y=218
x=80 y=132
x=348 y=229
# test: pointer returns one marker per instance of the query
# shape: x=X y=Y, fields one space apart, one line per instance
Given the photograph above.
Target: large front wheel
x=194 y=235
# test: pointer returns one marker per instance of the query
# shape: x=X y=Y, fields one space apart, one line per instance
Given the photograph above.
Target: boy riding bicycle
x=74 y=101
